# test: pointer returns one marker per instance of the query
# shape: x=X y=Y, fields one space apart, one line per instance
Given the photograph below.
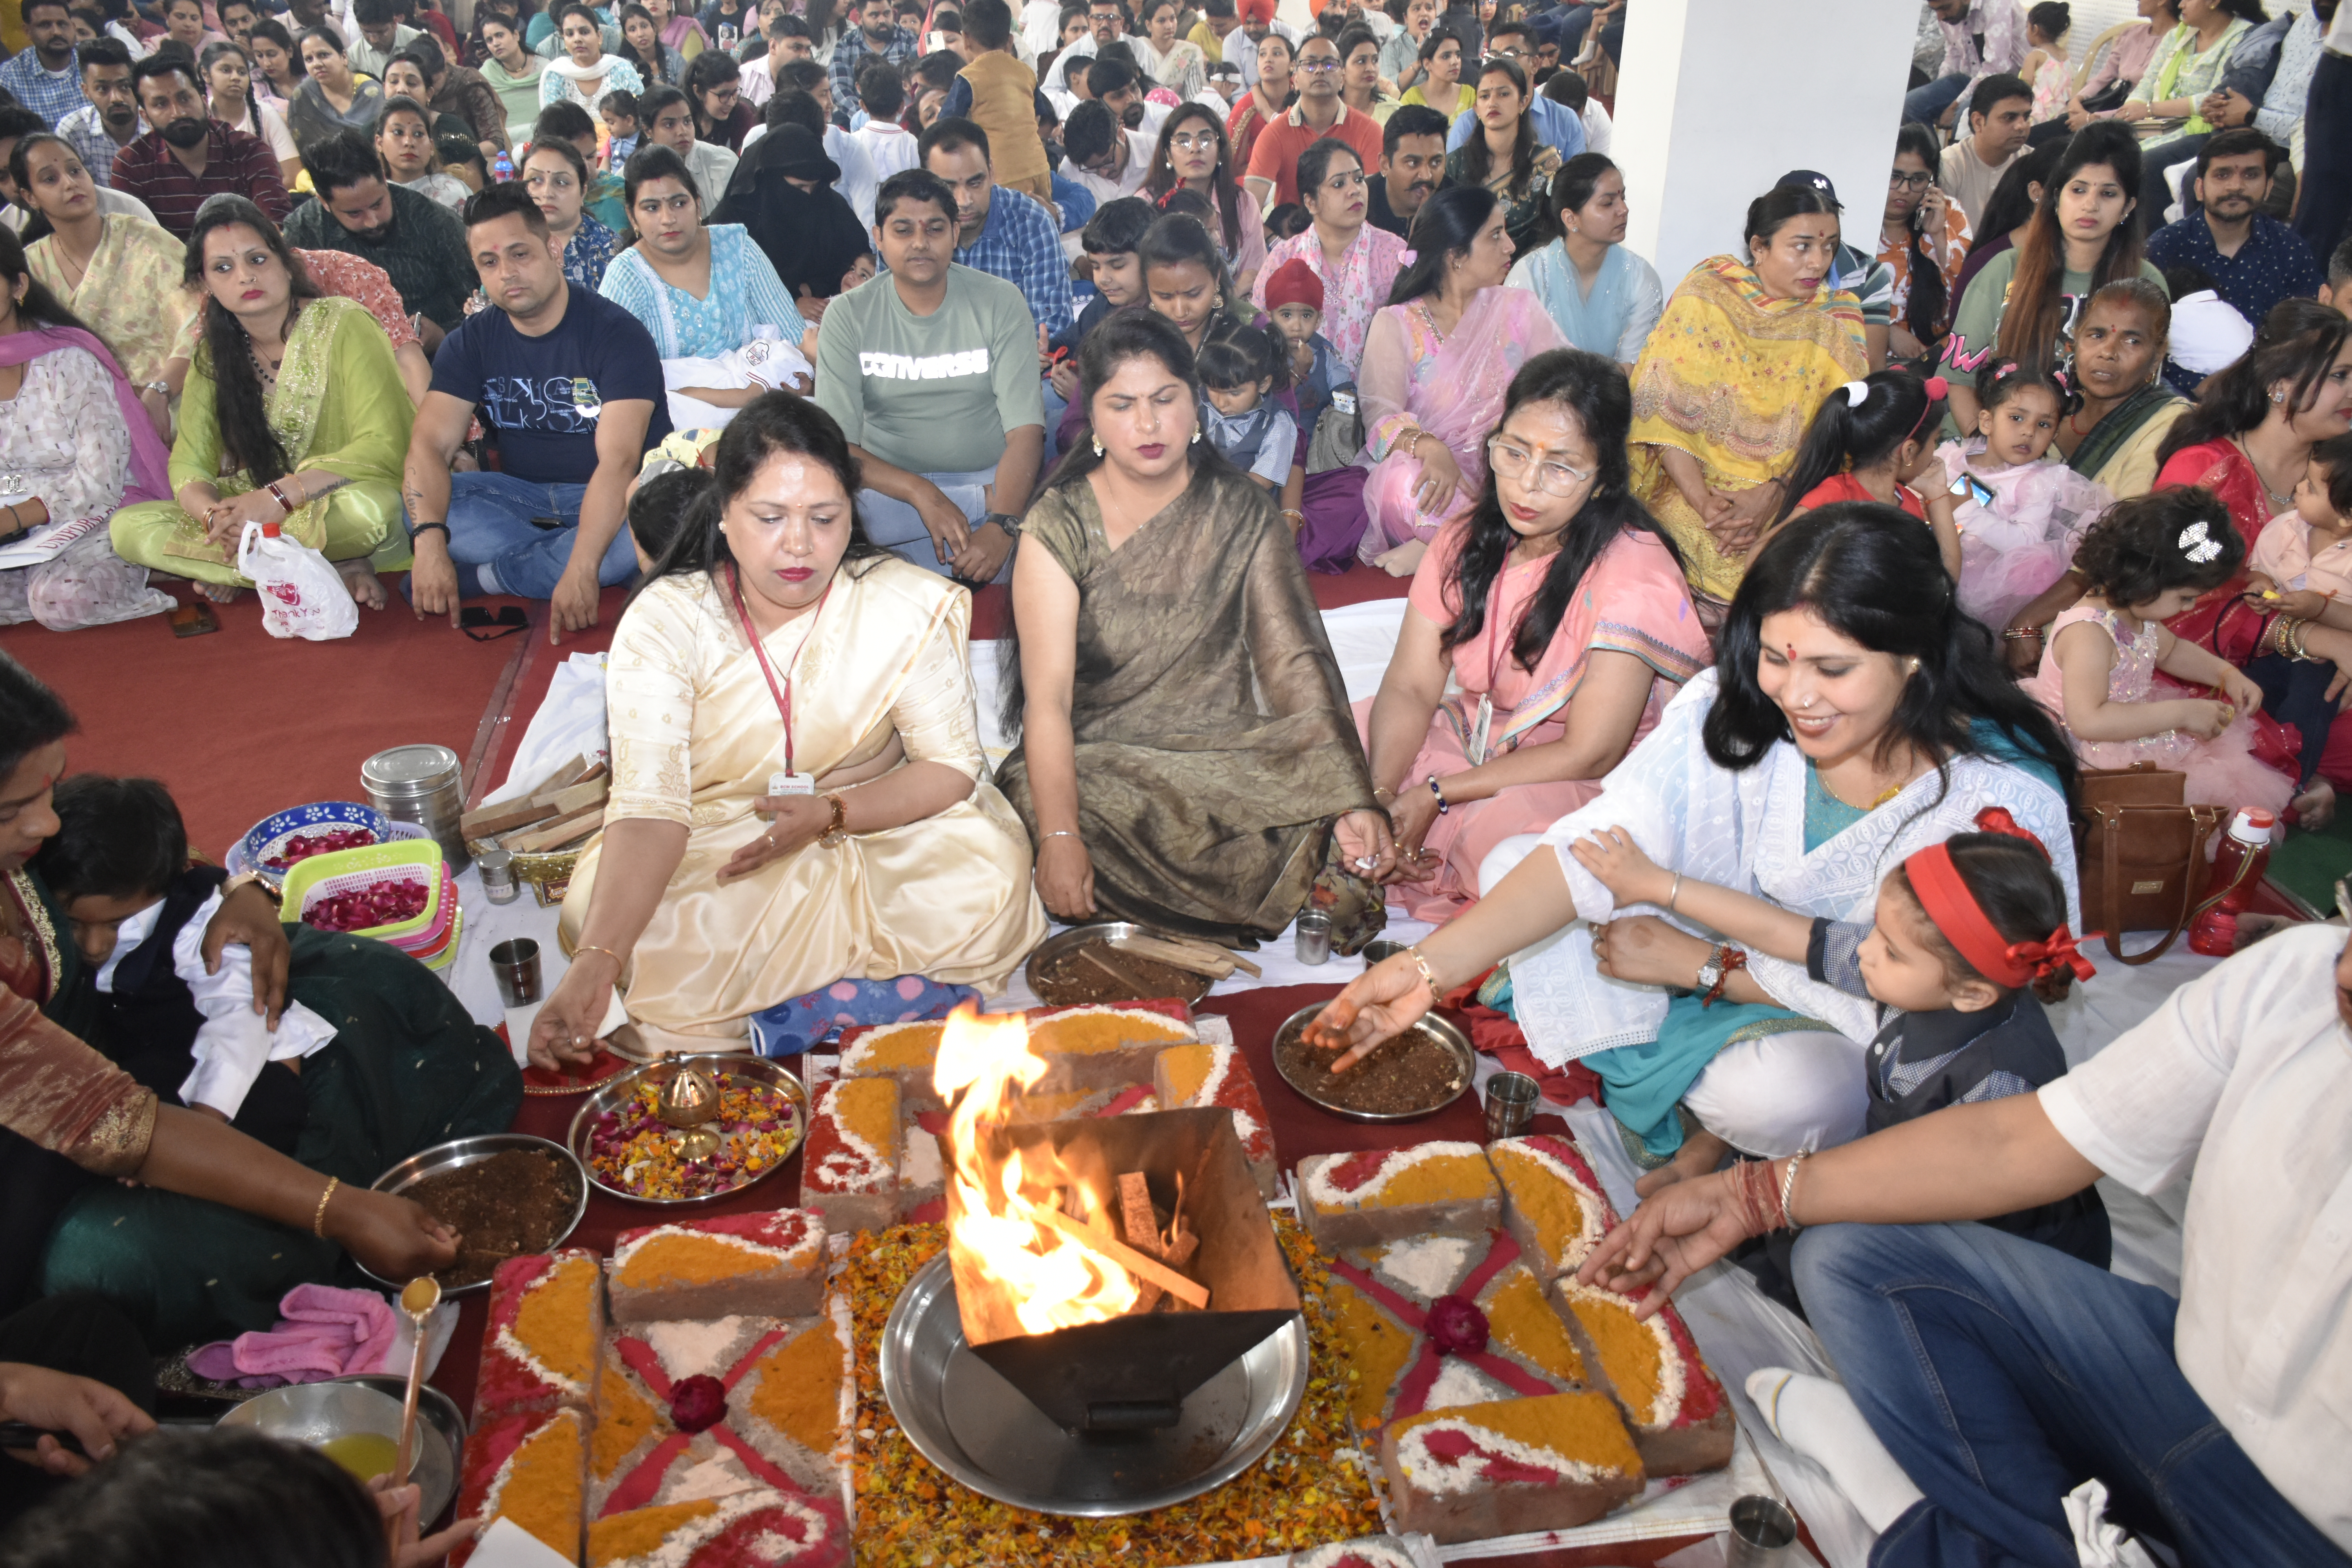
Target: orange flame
x=1046 y=1281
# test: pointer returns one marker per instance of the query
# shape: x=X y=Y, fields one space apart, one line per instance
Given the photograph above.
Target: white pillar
x=1717 y=98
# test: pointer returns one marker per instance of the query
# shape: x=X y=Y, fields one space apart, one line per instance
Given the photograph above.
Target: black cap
x=1811 y=179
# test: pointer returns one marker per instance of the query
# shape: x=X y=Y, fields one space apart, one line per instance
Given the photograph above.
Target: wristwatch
x=160 y=388
x=837 y=830
x=253 y=879
x=1710 y=974
x=1006 y=520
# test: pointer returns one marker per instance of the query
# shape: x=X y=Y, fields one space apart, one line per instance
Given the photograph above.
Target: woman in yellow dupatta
x=294 y=414
x=1744 y=353
x=121 y=275
x=850 y=726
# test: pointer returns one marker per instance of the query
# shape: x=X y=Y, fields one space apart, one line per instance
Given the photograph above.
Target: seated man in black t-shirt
x=572 y=384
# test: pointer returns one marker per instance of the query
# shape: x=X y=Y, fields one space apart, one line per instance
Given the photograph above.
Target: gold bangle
x=1428 y=975
x=618 y=961
x=319 y=1219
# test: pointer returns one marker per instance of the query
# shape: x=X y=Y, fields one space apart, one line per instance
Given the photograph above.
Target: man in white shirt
x=1105 y=157
x=2000 y=1372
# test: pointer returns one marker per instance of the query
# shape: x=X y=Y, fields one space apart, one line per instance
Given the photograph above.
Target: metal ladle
x=688 y=1101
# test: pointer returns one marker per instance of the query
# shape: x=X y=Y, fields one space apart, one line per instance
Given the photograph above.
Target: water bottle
x=2238 y=866
x=502 y=168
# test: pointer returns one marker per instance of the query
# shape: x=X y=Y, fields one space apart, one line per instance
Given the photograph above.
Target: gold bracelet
x=618 y=961
x=1789 y=1189
x=1428 y=975
x=319 y=1219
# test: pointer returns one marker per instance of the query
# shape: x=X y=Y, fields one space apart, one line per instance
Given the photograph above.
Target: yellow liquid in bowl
x=366 y=1455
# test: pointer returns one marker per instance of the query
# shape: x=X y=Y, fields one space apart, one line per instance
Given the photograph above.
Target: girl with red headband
x=1966 y=932
x=1869 y=440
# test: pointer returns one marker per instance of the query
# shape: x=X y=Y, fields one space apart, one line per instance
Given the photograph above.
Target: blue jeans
x=899 y=528
x=491 y=528
x=1923 y=104
x=2002 y=1374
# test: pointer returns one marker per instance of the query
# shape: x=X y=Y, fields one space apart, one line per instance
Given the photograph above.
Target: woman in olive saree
x=1187 y=758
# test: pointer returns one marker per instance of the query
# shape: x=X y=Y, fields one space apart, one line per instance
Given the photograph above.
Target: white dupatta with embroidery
x=1745 y=831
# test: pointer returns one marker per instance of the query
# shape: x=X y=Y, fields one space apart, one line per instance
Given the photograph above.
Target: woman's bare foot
x=218 y=593
x=1402 y=560
x=366 y=587
x=2314 y=808
x=1701 y=1152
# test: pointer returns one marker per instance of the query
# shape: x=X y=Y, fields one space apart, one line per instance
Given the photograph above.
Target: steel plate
x=612 y=1091
x=1438 y=1029
x=1104 y=932
x=984 y=1432
x=463 y=1151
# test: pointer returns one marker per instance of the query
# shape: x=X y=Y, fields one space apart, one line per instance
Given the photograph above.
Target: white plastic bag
x=302 y=594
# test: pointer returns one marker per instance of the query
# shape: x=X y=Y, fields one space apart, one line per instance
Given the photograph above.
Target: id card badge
x=1481 y=730
x=791 y=784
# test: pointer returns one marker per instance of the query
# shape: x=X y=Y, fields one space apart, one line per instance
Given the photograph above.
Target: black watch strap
x=1006 y=520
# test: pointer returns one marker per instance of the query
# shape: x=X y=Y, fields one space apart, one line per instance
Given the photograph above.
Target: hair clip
x=1856 y=392
x=1408 y=257
x=2197 y=544
x=1997 y=819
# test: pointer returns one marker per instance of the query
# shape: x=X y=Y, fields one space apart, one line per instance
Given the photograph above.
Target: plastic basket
x=267 y=838
x=355 y=870
x=447 y=955
x=436 y=937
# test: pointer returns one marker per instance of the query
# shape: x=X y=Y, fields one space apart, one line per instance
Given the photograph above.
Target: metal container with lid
x=424 y=784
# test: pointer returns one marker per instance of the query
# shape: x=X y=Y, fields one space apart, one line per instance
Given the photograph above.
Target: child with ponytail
x=1968 y=939
x=2020 y=516
x=2147 y=560
x=1868 y=442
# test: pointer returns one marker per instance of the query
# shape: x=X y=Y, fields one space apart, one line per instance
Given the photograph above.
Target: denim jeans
x=2327 y=198
x=899 y=528
x=1923 y=104
x=490 y=527
x=2002 y=1374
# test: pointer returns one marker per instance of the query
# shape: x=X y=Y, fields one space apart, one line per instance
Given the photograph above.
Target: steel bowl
x=1380 y=951
x=613 y=1091
x=432 y=1405
x=1438 y=1028
x=463 y=1151
x=973 y=1424
x=1102 y=932
x=318 y=1413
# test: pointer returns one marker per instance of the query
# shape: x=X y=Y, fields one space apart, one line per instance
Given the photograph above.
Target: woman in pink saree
x=1559 y=607
x=1436 y=361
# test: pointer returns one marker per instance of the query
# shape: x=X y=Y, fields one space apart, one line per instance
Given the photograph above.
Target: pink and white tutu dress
x=2016 y=548
x=2222 y=771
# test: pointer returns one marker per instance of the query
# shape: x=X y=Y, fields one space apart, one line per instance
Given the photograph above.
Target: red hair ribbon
x=1944 y=896
x=1995 y=819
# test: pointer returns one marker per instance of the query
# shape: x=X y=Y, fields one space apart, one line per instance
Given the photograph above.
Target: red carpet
x=239 y=724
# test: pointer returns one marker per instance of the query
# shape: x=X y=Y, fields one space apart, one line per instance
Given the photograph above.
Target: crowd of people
x=808 y=324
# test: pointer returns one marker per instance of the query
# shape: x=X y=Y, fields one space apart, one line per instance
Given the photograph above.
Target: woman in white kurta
x=717 y=889
x=1851 y=720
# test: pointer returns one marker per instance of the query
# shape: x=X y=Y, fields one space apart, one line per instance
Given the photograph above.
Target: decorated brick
x=1552 y=1200
x=1366 y=1551
x=1089 y=1046
x=528 y=1468
x=1510 y=1468
x=1386 y=1195
x=764 y=1265
x=756 y=1528
x=849 y=1170
x=1676 y=1410
x=1207 y=1075
x=545 y=1334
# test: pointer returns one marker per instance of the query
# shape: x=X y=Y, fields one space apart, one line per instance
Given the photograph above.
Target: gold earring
x=1098 y=446
x=1196 y=435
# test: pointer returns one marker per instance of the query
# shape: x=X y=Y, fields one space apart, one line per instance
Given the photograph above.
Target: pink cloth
x=1450 y=387
x=150 y=463
x=2284 y=555
x=326 y=1332
x=2014 y=550
x=1632 y=601
x=2222 y=771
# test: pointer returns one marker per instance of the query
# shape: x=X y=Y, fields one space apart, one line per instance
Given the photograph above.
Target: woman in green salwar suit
x=1187 y=759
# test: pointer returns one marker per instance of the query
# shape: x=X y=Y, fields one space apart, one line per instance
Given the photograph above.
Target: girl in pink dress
x=2019 y=515
x=2148 y=558
x=1562 y=612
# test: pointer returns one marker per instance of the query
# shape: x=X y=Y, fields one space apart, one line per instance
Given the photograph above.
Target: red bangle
x=279 y=497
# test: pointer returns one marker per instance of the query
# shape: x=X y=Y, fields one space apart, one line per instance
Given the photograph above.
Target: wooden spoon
x=422 y=1295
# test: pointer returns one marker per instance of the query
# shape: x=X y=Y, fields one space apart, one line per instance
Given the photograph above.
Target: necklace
x=2279 y=502
x=1429 y=320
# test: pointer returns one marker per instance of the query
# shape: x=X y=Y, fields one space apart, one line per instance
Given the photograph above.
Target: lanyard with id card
x=789 y=781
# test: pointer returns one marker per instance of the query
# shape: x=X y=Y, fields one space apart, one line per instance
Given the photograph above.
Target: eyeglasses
x=1318 y=66
x=1918 y=181
x=1506 y=54
x=1511 y=461
x=1187 y=142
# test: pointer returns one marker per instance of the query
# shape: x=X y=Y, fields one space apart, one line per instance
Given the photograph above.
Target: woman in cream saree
x=760 y=906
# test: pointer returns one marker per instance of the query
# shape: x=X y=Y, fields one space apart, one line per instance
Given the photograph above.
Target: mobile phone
x=1967 y=487
x=193 y=620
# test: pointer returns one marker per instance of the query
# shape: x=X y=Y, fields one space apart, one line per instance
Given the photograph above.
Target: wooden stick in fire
x=1126 y=1256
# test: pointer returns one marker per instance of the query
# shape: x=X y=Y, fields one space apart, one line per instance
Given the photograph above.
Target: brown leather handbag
x=2140 y=854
